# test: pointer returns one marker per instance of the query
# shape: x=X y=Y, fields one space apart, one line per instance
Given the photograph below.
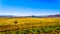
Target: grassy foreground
x=43 y=30
x=29 y=25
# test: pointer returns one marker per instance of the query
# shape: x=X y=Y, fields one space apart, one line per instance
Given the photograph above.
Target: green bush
x=7 y=32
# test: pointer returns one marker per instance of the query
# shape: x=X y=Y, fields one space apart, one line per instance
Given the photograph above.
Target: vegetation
x=29 y=25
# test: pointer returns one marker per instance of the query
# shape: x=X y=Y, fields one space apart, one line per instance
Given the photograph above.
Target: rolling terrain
x=30 y=25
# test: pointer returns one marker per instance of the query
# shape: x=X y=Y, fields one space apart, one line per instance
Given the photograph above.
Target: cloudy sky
x=29 y=7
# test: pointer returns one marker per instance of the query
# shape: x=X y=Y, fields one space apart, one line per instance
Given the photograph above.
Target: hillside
x=57 y=15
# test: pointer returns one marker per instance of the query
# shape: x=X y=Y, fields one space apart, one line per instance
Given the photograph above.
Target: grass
x=33 y=30
x=29 y=25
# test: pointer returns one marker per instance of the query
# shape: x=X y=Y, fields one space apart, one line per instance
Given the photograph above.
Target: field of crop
x=30 y=25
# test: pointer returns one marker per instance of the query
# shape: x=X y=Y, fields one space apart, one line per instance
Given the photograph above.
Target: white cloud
x=26 y=11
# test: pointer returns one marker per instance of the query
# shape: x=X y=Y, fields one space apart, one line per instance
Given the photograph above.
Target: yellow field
x=28 y=23
x=41 y=21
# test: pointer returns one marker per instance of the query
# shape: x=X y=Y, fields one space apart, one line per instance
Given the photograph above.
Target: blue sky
x=29 y=7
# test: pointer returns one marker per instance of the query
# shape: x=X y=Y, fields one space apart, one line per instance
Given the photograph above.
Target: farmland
x=29 y=25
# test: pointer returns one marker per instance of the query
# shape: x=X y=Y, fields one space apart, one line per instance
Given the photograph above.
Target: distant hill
x=57 y=15
x=7 y=16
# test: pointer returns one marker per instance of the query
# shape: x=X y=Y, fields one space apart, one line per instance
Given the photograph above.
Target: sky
x=29 y=7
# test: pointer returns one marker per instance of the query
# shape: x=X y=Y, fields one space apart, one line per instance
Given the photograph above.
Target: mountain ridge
x=56 y=15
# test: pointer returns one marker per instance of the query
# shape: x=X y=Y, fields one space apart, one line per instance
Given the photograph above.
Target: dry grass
x=8 y=24
x=43 y=21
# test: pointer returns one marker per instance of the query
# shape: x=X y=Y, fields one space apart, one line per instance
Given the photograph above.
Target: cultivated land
x=30 y=25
